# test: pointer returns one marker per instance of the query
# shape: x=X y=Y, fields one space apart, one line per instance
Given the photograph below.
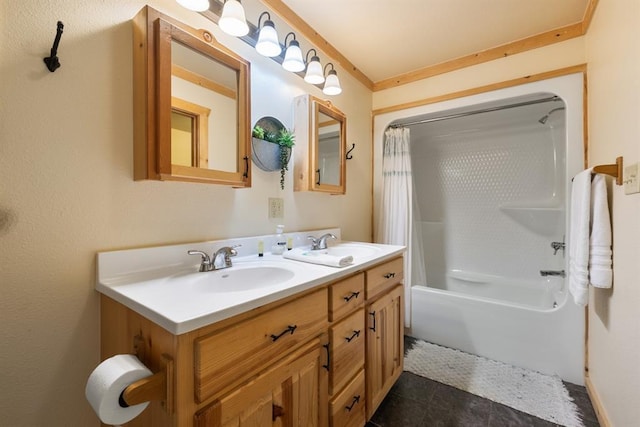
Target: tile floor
x=417 y=401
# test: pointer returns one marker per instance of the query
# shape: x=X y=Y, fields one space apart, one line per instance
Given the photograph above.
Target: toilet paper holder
x=155 y=387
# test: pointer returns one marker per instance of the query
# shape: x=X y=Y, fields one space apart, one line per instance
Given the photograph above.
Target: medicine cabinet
x=320 y=130
x=191 y=105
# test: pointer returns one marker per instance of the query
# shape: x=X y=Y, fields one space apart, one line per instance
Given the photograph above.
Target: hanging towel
x=600 y=273
x=588 y=199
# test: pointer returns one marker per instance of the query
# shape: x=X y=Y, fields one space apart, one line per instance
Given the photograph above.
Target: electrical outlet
x=276 y=208
x=631 y=179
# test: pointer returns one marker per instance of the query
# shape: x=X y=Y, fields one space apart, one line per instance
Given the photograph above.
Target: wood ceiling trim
x=540 y=40
x=588 y=15
x=304 y=29
x=582 y=68
x=529 y=43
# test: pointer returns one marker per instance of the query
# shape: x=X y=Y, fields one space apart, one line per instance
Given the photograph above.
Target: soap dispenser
x=280 y=245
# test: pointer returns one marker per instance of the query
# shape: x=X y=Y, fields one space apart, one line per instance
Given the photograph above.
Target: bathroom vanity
x=322 y=347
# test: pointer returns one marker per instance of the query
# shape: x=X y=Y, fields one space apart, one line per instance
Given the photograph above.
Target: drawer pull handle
x=290 y=329
x=355 y=334
x=373 y=328
x=389 y=275
x=326 y=346
x=356 y=399
x=353 y=295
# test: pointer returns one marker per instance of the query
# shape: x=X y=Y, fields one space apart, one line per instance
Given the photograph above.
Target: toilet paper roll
x=107 y=382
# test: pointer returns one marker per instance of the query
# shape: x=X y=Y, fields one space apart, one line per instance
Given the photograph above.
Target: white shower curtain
x=397 y=208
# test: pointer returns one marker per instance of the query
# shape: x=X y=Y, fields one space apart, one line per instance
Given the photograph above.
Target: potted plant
x=274 y=155
x=285 y=140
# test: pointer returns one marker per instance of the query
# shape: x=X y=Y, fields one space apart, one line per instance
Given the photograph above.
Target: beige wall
x=614 y=129
x=67 y=192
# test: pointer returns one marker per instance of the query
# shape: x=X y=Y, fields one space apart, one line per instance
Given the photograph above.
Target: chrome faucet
x=556 y=246
x=321 y=242
x=545 y=273
x=209 y=264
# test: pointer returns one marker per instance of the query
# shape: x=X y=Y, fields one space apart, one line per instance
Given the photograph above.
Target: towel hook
x=349 y=156
x=52 y=61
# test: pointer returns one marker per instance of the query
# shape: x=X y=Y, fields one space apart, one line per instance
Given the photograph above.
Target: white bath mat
x=528 y=391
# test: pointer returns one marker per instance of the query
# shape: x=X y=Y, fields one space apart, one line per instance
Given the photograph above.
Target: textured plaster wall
x=614 y=130
x=67 y=192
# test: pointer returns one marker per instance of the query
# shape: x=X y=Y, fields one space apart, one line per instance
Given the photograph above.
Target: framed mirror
x=194 y=96
x=321 y=131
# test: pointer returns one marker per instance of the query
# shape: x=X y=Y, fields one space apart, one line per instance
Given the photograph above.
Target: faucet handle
x=314 y=242
x=205 y=262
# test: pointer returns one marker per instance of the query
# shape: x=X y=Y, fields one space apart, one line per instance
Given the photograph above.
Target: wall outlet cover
x=276 y=208
x=631 y=179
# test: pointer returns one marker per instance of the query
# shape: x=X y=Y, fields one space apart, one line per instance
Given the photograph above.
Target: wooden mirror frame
x=307 y=113
x=153 y=34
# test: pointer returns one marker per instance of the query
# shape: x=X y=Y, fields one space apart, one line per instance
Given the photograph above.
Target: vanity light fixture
x=233 y=20
x=293 y=55
x=331 y=83
x=195 y=5
x=268 y=44
x=314 y=73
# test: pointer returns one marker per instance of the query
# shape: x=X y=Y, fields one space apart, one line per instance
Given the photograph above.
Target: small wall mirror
x=321 y=131
x=200 y=129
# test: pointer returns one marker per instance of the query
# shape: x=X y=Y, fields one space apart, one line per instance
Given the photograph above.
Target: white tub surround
x=163 y=283
x=492 y=183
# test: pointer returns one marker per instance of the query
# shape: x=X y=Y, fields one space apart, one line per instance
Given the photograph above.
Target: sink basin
x=356 y=250
x=237 y=279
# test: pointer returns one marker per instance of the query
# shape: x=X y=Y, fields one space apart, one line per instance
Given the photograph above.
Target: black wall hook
x=349 y=155
x=52 y=61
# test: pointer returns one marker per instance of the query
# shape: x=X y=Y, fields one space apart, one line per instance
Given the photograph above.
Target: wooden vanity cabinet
x=320 y=358
x=385 y=331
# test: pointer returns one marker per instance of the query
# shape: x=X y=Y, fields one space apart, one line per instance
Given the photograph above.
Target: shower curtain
x=398 y=210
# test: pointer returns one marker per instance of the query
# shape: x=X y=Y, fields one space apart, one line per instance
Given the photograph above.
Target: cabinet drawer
x=383 y=276
x=346 y=296
x=347 y=408
x=347 y=350
x=226 y=358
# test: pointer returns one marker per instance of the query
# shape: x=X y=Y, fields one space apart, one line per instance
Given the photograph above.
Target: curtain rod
x=470 y=113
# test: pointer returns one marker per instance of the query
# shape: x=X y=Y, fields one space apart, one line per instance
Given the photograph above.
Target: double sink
x=170 y=291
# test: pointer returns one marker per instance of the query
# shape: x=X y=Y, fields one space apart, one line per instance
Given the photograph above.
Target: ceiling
x=384 y=39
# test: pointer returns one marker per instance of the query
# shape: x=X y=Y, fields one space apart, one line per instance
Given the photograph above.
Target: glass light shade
x=268 y=44
x=195 y=5
x=293 y=58
x=314 y=72
x=233 y=21
x=332 y=84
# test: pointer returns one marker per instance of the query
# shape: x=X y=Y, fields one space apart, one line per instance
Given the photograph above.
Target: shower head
x=544 y=118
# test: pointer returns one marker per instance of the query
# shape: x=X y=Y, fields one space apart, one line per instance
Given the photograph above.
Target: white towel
x=600 y=273
x=318 y=257
x=583 y=229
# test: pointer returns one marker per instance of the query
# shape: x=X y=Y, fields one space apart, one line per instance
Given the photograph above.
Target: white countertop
x=157 y=282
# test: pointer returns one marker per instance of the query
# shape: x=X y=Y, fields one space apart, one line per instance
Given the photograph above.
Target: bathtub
x=531 y=324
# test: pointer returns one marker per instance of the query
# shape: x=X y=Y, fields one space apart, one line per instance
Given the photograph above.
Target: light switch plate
x=276 y=208
x=631 y=179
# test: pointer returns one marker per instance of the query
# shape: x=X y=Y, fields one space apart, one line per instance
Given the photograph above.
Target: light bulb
x=233 y=21
x=268 y=44
x=293 y=58
x=195 y=5
x=332 y=84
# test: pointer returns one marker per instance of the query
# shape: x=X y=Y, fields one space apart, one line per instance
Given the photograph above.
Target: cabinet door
x=291 y=393
x=384 y=346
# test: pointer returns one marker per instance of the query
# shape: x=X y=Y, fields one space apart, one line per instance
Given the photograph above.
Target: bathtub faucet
x=557 y=246
x=545 y=273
